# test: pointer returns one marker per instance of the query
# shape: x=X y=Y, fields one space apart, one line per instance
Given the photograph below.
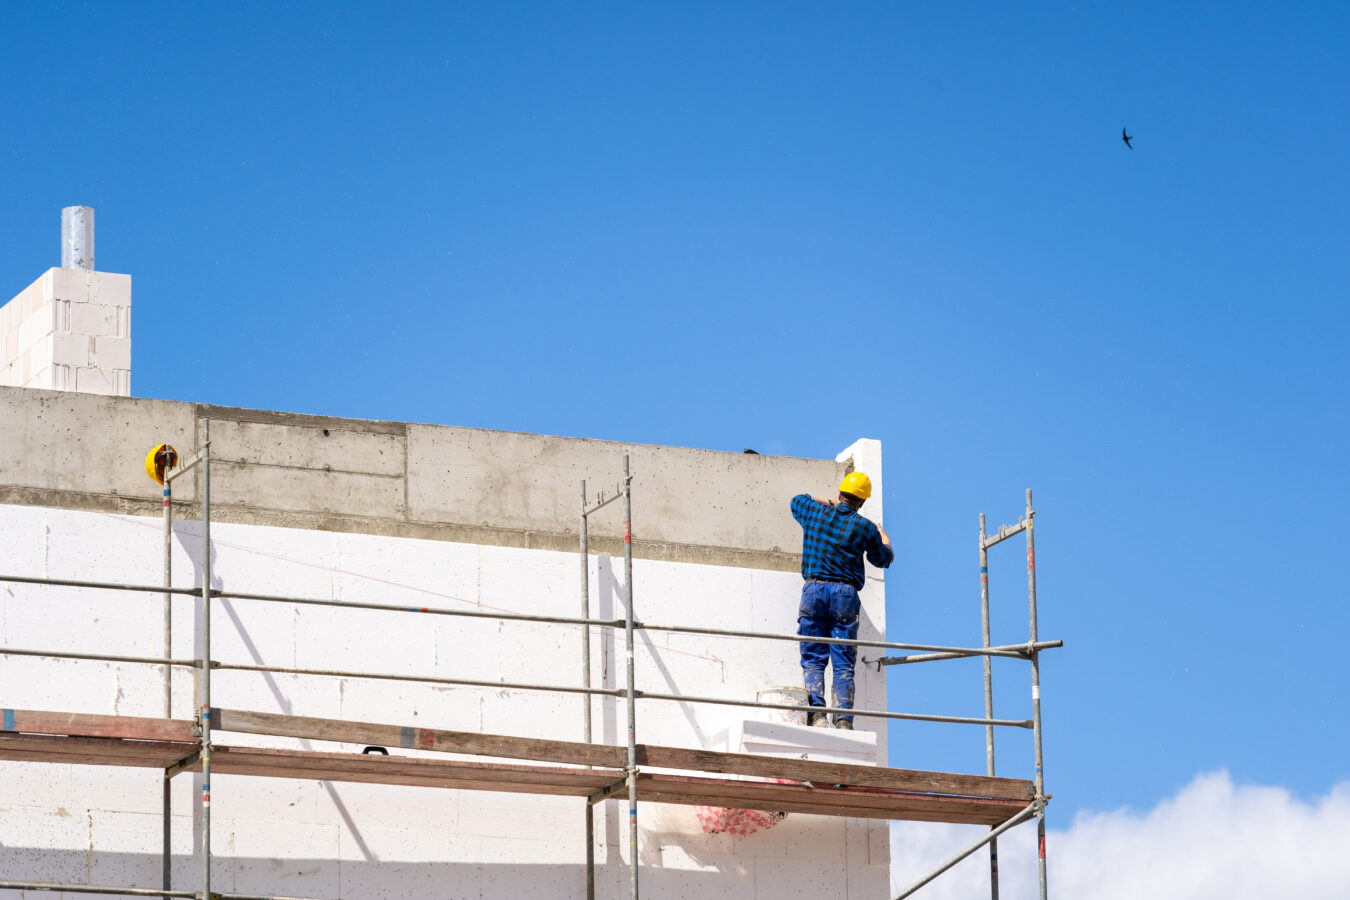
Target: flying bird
x=1126 y=138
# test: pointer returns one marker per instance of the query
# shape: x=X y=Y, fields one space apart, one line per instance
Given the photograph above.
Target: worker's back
x=835 y=539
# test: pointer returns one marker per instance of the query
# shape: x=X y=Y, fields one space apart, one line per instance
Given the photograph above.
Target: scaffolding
x=1031 y=652
x=595 y=772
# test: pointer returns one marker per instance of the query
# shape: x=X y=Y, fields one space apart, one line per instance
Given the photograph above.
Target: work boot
x=844 y=724
x=818 y=720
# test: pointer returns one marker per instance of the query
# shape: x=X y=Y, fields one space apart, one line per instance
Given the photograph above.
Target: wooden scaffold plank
x=30 y=721
x=754 y=782
x=575 y=753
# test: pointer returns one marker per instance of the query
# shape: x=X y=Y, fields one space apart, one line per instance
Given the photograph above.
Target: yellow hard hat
x=857 y=484
x=159 y=460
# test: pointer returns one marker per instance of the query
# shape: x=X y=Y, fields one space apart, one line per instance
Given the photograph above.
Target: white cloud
x=1213 y=841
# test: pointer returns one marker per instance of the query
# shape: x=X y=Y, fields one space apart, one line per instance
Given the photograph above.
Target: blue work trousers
x=829 y=610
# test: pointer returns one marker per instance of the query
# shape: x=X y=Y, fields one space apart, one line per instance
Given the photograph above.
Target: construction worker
x=835 y=538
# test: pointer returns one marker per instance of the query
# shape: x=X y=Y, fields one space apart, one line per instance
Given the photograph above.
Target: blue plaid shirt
x=834 y=539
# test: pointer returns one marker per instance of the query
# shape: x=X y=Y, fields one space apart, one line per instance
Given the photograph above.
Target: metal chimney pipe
x=77 y=238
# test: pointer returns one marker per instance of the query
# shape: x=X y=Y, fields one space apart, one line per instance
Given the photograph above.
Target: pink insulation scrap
x=720 y=819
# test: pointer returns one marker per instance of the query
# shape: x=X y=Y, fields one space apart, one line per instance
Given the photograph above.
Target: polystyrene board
x=302 y=857
x=787 y=741
x=551 y=821
x=776 y=878
x=363 y=807
x=277 y=801
x=800 y=837
x=408 y=863
x=126 y=790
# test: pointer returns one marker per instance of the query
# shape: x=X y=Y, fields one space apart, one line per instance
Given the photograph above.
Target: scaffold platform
x=569 y=769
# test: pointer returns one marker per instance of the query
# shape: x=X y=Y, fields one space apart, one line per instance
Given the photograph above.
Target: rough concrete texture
x=320 y=839
x=69 y=330
x=458 y=484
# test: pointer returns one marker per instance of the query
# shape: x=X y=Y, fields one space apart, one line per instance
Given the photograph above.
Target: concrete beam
x=434 y=482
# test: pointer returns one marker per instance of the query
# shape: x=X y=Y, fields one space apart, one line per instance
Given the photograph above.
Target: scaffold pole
x=632 y=687
x=204 y=680
x=586 y=683
x=1036 y=696
x=166 y=862
x=988 y=696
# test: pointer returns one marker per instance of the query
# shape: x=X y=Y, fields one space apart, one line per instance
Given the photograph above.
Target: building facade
x=417 y=516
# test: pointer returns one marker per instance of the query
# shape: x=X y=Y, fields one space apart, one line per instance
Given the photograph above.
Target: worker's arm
x=801 y=507
x=880 y=553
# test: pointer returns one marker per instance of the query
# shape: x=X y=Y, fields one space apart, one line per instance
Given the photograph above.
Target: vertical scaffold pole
x=1036 y=695
x=205 y=680
x=988 y=696
x=586 y=683
x=585 y=614
x=168 y=670
x=632 y=693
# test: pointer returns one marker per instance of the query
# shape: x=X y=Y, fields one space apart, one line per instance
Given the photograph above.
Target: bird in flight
x=1126 y=138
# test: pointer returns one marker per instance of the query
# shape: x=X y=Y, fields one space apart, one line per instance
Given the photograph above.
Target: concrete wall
x=426 y=481
x=70 y=331
x=320 y=839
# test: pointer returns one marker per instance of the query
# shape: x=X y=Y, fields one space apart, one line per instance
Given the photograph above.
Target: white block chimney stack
x=77 y=238
x=71 y=329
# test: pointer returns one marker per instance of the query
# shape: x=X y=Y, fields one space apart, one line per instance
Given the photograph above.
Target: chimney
x=71 y=329
x=77 y=238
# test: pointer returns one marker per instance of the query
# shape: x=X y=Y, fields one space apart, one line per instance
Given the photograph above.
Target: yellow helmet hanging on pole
x=160 y=460
x=857 y=484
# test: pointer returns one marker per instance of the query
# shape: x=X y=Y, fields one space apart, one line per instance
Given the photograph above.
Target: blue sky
x=785 y=226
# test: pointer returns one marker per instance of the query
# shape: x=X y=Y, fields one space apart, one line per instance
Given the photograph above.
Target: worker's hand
x=826 y=502
x=885 y=538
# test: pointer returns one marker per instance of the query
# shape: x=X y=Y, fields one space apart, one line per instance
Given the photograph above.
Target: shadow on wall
x=192 y=545
x=611 y=595
x=332 y=879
